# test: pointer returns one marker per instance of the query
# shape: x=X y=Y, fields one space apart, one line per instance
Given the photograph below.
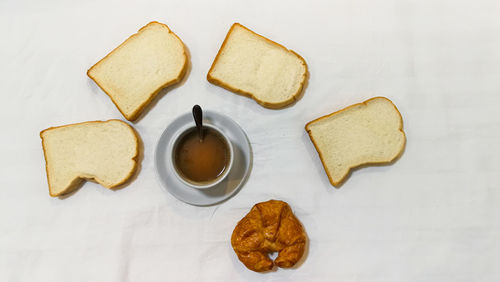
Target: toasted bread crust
x=365 y=103
x=139 y=110
x=78 y=180
x=265 y=104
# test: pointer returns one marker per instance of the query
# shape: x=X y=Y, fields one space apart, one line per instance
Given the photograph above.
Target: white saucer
x=224 y=190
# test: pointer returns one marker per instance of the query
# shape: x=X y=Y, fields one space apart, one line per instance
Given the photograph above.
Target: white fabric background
x=431 y=216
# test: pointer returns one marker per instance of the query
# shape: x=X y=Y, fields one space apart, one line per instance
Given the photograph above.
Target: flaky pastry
x=269 y=227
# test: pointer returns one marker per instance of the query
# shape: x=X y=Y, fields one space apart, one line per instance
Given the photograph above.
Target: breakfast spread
x=366 y=133
x=254 y=66
x=105 y=151
x=134 y=72
x=269 y=227
x=370 y=132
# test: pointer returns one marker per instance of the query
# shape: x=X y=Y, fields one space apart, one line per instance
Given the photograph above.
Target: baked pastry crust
x=269 y=227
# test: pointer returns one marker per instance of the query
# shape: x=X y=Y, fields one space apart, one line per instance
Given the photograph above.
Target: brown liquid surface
x=201 y=161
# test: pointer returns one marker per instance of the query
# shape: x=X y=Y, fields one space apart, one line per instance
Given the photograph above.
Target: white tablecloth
x=431 y=216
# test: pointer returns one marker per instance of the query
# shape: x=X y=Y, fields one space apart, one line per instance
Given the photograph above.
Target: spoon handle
x=198 y=119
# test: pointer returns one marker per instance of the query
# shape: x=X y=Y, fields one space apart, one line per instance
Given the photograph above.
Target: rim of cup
x=208 y=184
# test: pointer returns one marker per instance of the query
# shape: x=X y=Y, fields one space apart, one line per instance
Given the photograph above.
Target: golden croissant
x=269 y=227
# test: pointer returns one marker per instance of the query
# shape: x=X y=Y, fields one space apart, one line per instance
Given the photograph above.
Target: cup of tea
x=202 y=163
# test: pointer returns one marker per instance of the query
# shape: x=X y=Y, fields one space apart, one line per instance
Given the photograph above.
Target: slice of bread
x=105 y=151
x=367 y=133
x=255 y=66
x=134 y=72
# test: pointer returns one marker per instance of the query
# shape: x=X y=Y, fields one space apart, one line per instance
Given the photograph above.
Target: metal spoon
x=198 y=119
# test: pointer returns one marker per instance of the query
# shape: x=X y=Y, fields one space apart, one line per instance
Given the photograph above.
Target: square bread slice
x=134 y=72
x=105 y=151
x=366 y=133
x=252 y=65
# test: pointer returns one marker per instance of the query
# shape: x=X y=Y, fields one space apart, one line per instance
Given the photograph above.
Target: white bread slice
x=134 y=72
x=105 y=151
x=254 y=66
x=367 y=133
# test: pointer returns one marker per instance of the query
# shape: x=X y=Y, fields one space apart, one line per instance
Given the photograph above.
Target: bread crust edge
x=79 y=179
x=365 y=103
x=138 y=111
x=265 y=104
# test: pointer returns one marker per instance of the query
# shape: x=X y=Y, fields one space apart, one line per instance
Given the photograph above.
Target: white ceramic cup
x=207 y=184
